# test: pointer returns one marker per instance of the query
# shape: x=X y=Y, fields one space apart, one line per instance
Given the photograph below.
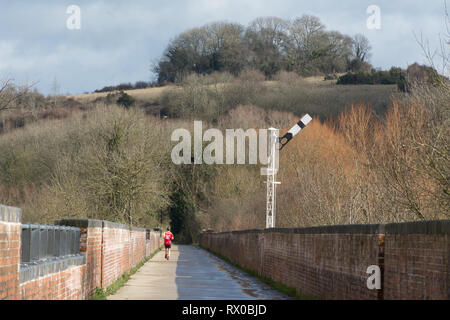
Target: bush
x=393 y=76
x=125 y=100
x=105 y=164
x=331 y=77
x=127 y=86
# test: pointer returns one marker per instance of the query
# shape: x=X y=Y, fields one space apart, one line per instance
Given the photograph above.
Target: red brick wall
x=69 y=284
x=10 y=231
x=138 y=245
x=91 y=246
x=331 y=262
x=110 y=250
x=417 y=265
x=336 y=262
x=156 y=241
x=124 y=248
x=116 y=252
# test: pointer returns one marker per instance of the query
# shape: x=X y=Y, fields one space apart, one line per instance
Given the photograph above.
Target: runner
x=168 y=237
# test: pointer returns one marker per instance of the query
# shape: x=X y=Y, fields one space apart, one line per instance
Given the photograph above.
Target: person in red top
x=168 y=237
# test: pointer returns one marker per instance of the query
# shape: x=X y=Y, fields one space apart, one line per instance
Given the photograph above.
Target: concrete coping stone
x=415 y=227
x=338 y=229
x=10 y=214
x=80 y=223
x=419 y=227
x=94 y=223
x=138 y=229
x=34 y=270
x=114 y=225
x=48 y=227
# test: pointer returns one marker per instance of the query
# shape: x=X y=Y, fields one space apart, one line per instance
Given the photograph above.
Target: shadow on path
x=195 y=274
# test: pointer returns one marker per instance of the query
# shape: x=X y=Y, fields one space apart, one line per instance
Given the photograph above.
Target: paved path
x=192 y=273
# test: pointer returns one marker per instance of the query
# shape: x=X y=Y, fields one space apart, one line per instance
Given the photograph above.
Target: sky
x=119 y=40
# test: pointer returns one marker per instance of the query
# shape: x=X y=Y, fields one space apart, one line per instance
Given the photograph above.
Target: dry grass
x=147 y=94
x=208 y=97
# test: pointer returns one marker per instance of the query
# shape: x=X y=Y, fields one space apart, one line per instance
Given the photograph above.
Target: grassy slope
x=141 y=94
x=319 y=96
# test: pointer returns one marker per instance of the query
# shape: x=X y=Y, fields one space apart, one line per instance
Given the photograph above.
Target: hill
x=217 y=93
x=101 y=160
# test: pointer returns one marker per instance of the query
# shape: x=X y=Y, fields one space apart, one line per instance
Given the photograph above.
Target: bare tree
x=270 y=30
x=438 y=58
x=9 y=94
x=361 y=48
x=55 y=91
x=304 y=29
x=306 y=35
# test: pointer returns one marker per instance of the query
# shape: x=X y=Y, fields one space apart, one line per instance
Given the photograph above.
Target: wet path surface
x=192 y=273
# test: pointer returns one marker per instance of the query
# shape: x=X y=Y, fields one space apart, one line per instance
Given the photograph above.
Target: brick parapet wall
x=154 y=243
x=10 y=233
x=417 y=260
x=331 y=262
x=116 y=251
x=113 y=249
x=70 y=284
x=107 y=251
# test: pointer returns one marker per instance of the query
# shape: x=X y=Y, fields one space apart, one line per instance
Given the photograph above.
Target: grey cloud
x=119 y=39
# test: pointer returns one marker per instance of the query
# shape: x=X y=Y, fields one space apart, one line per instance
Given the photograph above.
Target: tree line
x=128 y=86
x=267 y=44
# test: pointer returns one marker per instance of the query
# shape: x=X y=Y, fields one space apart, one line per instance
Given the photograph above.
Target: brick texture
x=417 y=267
x=124 y=248
x=91 y=244
x=331 y=262
x=69 y=284
x=9 y=260
x=111 y=250
x=327 y=266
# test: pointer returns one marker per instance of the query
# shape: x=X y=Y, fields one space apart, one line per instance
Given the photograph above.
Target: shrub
x=104 y=164
x=125 y=100
x=393 y=76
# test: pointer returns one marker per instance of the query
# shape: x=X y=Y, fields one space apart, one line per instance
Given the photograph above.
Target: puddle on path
x=250 y=286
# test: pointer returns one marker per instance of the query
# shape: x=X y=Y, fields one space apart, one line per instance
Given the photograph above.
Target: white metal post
x=271 y=178
x=276 y=144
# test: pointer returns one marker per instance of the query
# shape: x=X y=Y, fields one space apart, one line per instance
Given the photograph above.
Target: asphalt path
x=193 y=273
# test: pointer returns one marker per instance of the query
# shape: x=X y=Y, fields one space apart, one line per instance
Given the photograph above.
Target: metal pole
x=276 y=144
x=271 y=179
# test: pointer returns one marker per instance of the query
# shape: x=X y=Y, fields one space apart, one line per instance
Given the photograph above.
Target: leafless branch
x=9 y=94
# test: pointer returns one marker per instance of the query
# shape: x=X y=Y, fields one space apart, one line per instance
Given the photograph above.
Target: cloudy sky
x=118 y=40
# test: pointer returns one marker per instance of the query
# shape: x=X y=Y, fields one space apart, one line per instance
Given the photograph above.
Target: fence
x=41 y=242
x=47 y=249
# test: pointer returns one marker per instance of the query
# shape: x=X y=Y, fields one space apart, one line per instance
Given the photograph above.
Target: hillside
x=287 y=92
x=147 y=94
x=101 y=160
